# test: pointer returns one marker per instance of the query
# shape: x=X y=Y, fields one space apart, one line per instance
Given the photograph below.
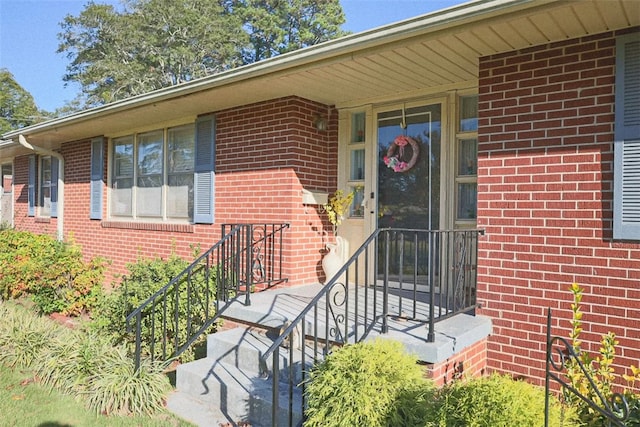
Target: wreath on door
x=396 y=154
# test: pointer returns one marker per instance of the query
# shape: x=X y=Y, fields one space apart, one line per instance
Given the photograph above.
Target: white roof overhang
x=432 y=52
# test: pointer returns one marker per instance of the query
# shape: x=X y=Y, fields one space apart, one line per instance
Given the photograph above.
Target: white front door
x=6 y=195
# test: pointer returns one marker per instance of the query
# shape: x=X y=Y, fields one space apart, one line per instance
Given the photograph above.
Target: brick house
x=528 y=110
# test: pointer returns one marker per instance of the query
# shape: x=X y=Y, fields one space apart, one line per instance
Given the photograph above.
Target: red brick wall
x=469 y=362
x=265 y=154
x=545 y=172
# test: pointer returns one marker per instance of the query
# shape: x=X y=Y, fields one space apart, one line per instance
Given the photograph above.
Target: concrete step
x=239 y=395
x=244 y=347
x=200 y=413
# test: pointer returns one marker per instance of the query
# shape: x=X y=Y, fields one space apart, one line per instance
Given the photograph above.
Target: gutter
x=39 y=150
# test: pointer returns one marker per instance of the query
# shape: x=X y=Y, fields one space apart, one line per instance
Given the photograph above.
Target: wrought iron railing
x=174 y=317
x=419 y=275
x=614 y=411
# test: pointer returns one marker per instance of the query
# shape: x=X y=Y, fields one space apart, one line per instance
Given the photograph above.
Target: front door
x=409 y=159
x=6 y=195
x=409 y=151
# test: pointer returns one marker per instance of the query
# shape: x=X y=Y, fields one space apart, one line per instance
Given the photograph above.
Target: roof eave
x=432 y=22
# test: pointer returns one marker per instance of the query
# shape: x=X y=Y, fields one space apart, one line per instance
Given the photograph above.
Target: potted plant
x=336 y=208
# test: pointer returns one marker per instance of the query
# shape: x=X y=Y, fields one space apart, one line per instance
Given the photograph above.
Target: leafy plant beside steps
x=145 y=277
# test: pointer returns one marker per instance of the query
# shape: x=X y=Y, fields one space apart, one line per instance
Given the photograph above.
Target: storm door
x=409 y=172
x=409 y=152
x=6 y=195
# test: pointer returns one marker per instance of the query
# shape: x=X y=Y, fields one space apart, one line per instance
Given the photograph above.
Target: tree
x=17 y=107
x=154 y=44
x=151 y=44
x=277 y=27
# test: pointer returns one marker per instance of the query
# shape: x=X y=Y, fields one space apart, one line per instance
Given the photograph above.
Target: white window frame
x=44 y=204
x=460 y=178
x=136 y=176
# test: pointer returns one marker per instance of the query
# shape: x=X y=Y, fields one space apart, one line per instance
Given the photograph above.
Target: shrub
x=497 y=400
x=23 y=337
x=367 y=384
x=85 y=366
x=599 y=376
x=116 y=387
x=52 y=272
x=145 y=277
x=71 y=357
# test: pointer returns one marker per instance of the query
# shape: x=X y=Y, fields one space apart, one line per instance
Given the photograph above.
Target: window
x=626 y=184
x=44 y=191
x=43 y=186
x=356 y=164
x=466 y=168
x=154 y=175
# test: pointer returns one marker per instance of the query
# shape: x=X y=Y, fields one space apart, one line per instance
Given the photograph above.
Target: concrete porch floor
x=272 y=308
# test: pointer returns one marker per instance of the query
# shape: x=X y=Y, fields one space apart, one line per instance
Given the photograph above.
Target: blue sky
x=29 y=28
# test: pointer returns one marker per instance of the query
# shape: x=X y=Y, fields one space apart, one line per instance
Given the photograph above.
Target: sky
x=29 y=28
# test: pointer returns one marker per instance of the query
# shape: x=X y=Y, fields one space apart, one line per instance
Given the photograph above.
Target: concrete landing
x=271 y=309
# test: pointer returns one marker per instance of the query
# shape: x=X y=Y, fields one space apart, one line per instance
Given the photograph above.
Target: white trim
x=43 y=151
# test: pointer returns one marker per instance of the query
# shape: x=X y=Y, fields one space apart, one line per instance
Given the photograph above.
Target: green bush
x=367 y=384
x=495 y=401
x=70 y=359
x=23 y=336
x=145 y=277
x=82 y=365
x=52 y=272
x=600 y=376
x=116 y=387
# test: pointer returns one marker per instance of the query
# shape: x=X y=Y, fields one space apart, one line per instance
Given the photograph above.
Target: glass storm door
x=409 y=168
x=6 y=196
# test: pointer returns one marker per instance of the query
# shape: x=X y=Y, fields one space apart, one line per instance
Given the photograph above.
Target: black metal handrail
x=385 y=278
x=176 y=315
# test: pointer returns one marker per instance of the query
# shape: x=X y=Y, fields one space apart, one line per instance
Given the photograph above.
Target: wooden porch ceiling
x=432 y=52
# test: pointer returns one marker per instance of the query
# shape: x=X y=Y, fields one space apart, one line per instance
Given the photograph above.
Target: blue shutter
x=31 y=186
x=54 y=186
x=97 y=165
x=626 y=182
x=204 y=175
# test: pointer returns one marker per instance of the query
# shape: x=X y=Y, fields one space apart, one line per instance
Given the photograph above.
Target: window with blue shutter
x=97 y=162
x=31 y=186
x=626 y=189
x=204 y=170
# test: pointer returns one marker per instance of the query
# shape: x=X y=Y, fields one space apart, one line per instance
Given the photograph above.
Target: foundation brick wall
x=265 y=154
x=469 y=362
x=545 y=196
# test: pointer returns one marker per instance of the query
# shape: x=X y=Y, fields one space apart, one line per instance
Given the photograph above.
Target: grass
x=25 y=403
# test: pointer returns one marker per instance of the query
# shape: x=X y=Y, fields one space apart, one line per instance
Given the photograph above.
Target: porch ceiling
x=429 y=53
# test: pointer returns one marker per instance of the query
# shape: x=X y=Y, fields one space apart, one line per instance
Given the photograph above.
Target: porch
x=413 y=286
x=272 y=309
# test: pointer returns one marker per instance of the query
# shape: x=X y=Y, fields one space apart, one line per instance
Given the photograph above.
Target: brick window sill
x=149 y=226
